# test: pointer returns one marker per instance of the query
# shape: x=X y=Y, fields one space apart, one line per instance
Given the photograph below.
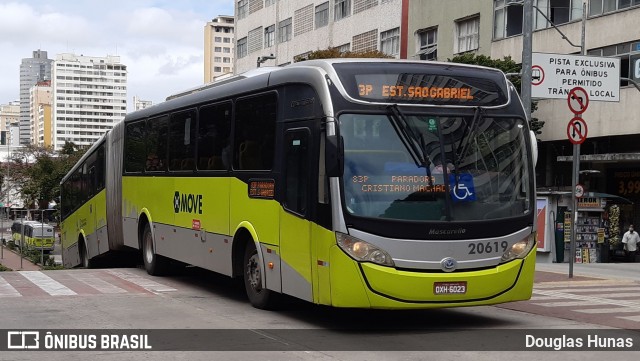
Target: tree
x=332 y=53
x=507 y=65
x=35 y=173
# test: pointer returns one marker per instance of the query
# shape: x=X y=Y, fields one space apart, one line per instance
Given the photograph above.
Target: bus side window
x=255 y=127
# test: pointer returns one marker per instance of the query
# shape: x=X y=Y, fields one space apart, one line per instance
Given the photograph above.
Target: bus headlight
x=519 y=249
x=363 y=251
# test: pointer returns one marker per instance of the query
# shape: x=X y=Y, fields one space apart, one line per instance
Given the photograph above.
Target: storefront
x=598 y=229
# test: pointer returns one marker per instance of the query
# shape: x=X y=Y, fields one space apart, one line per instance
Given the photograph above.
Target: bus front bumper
x=367 y=285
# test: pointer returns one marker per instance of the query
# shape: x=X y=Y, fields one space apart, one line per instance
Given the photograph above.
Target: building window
x=366 y=41
x=254 y=40
x=226 y=40
x=428 y=44
x=269 y=2
x=217 y=59
x=242 y=9
x=597 y=7
x=322 y=15
x=242 y=48
x=269 y=36
x=226 y=50
x=467 y=35
x=507 y=19
x=217 y=49
x=255 y=5
x=218 y=39
x=344 y=48
x=341 y=9
x=390 y=41
x=304 y=20
x=362 y=5
x=284 y=31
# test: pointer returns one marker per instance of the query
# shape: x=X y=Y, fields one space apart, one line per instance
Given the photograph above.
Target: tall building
x=9 y=117
x=32 y=70
x=89 y=97
x=40 y=110
x=218 y=47
x=139 y=104
x=292 y=29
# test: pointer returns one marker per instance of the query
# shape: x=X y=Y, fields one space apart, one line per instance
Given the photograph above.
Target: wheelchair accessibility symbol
x=462 y=190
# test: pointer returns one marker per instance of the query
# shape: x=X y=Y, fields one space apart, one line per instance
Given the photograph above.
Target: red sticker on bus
x=195 y=224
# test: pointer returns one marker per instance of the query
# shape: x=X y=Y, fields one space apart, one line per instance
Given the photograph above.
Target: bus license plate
x=450 y=288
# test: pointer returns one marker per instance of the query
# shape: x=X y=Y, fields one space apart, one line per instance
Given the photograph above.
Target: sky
x=160 y=41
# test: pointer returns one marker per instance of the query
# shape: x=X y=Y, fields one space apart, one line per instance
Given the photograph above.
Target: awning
x=612 y=197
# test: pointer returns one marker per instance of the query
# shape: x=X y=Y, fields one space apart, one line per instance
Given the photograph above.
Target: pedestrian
x=630 y=241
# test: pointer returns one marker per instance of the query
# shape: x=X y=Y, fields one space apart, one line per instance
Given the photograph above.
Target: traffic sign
x=579 y=191
x=577 y=130
x=578 y=100
x=599 y=76
x=537 y=75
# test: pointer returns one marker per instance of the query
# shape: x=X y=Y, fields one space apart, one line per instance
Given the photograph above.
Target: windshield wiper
x=409 y=137
x=465 y=141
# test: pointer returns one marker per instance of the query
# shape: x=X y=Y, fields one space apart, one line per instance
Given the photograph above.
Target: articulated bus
x=34 y=235
x=353 y=183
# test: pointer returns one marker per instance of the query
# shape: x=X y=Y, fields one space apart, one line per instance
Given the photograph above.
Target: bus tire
x=259 y=297
x=155 y=264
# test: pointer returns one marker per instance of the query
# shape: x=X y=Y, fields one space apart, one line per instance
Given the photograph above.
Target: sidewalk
x=12 y=260
x=611 y=271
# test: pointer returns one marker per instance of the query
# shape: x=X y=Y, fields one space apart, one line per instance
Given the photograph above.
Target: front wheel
x=155 y=264
x=259 y=296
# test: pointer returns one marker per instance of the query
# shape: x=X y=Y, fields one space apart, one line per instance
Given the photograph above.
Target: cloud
x=175 y=64
x=19 y=23
x=160 y=41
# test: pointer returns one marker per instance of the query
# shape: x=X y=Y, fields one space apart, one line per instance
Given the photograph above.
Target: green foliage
x=332 y=53
x=4 y=269
x=507 y=65
x=36 y=172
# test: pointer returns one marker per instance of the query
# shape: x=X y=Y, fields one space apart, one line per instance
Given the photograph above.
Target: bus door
x=295 y=227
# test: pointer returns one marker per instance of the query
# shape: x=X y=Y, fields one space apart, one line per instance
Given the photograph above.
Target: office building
x=288 y=30
x=89 y=97
x=219 y=43
x=32 y=70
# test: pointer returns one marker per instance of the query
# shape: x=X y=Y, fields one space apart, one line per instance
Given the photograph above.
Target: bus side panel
x=96 y=218
x=130 y=211
x=295 y=246
x=262 y=214
x=322 y=240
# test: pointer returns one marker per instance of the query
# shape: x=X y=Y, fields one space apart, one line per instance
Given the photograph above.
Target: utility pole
x=527 y=50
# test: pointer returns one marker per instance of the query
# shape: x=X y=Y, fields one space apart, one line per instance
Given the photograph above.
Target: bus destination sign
x=423 y=84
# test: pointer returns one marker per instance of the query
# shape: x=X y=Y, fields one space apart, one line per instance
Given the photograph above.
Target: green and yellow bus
x=352 y=183
x=34 y=235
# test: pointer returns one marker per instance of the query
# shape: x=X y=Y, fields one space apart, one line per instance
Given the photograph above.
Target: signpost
x=599 y=77
x=578 y=101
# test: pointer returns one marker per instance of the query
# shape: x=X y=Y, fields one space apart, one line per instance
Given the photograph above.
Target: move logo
x=188 y=203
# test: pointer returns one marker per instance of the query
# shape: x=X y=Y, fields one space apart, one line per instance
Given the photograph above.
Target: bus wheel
x=258 y=296
x=155 y=264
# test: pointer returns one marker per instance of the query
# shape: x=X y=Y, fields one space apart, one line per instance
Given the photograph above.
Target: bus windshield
x=471 y=167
